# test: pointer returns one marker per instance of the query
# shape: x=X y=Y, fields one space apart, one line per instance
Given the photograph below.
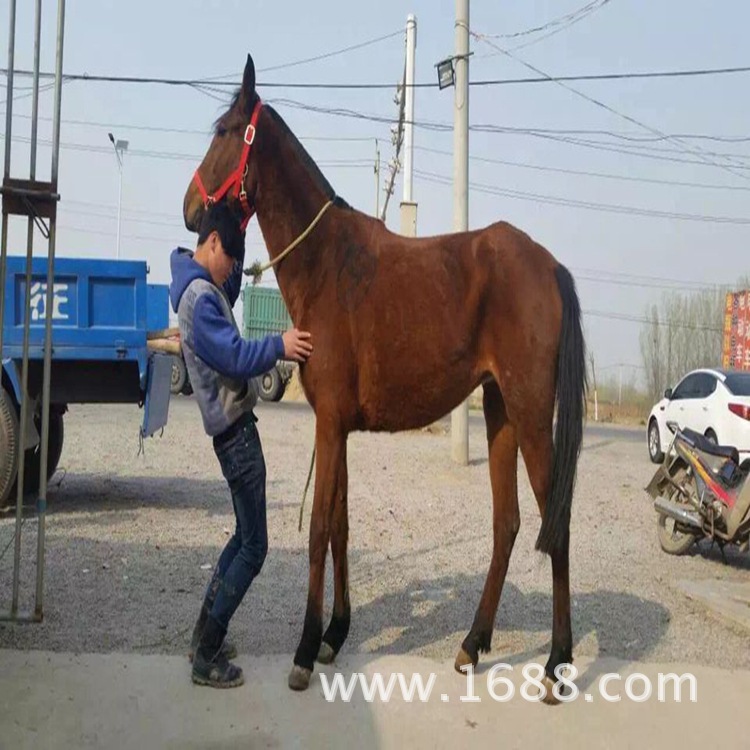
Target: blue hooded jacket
x=219 y=360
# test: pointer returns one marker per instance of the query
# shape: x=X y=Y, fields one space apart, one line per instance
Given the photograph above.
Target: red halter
x=235 y=183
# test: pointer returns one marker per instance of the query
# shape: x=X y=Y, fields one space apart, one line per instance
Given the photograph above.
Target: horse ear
x=248 y=83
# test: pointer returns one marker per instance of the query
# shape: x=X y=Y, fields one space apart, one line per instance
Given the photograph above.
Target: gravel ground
x=131 y=540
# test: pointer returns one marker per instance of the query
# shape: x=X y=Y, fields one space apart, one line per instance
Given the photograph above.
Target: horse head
x=227 y=171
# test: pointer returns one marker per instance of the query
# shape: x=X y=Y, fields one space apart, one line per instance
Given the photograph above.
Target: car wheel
x=711 y=437
x=654 y=443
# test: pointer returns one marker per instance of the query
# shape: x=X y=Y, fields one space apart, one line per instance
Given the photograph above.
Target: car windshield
x=738 y=383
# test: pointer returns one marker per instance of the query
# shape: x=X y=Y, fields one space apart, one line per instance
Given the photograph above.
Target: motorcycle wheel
x=672 y=540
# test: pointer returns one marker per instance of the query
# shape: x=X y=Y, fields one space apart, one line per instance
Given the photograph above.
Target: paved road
x=133 y=701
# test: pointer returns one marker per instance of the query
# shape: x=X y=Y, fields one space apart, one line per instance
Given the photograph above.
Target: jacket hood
x=184 y=271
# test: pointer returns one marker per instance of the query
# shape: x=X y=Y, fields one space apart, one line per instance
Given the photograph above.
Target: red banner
x=736 y=336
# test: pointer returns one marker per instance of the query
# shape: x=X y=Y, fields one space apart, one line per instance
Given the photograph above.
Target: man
x=205 y=286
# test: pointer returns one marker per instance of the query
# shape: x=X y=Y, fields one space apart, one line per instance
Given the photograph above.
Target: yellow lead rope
x=256 y=270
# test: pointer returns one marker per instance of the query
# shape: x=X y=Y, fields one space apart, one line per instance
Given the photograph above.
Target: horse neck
x=287 y=201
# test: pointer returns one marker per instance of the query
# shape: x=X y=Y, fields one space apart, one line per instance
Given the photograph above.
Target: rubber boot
x=228 y=649
x=210 y=666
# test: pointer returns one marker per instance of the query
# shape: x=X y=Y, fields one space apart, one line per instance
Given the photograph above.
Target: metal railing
x=36 y=200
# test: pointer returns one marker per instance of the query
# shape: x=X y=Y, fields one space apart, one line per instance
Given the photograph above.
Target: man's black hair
x=220 y=219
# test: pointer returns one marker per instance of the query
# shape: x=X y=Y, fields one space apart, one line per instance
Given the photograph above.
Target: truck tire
x=9 y=436
x=187 y=389
x=33 y=458
x=179 y=375
x=271 y=385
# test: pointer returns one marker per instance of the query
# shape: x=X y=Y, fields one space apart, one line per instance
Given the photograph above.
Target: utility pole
x=596 y=396
x=460 y=415
x=397 y=138
x=377 y=178
x=408 y=207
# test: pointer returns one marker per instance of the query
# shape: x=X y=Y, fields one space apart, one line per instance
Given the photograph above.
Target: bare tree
x=684 y=332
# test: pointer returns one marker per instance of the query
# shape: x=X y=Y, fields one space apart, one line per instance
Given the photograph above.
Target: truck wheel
x=187 y=389
x=179 y=375
x=271 y=386
x=33 y=458
x=9 y=436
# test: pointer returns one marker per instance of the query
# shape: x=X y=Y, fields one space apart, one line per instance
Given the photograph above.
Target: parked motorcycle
x=701 y=491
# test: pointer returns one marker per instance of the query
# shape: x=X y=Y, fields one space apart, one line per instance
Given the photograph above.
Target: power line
x=650 y=277
x=584 y=173
x=598 y=146
x=647 y=285
x=637 y=319
x=195 y=83
x=504 y=129
x=565 y=20
x=190 y=131
x=173 y=155
x=316 y=58
x=606 y=107
x=555 y=26
x=590 y=205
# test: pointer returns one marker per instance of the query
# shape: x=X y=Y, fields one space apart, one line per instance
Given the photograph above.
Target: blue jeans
x=241 y=458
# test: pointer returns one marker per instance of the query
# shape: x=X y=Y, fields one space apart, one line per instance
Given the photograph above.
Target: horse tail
x=571 y=406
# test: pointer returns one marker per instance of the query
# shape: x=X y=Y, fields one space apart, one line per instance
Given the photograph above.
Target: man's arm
x=220 y=346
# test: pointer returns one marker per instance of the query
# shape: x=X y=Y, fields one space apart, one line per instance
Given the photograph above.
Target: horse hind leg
x=537 y=450
x=503 y=458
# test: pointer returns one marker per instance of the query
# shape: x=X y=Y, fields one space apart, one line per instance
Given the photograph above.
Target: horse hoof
x=462 y=659
x=299 y=678
x=549 y=698
x=326 y=655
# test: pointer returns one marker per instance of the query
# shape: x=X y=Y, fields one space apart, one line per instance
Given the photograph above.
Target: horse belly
x=412 y=391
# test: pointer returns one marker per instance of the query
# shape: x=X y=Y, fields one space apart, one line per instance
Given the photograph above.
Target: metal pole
x=411 y=47
x=377 y=178
x=6 y=169
x=24 y=392
x=460 y=415
x=42 y=507
x=119 y=209
x=9 y=99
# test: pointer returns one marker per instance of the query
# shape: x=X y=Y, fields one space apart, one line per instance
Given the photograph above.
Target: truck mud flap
x=158 y=392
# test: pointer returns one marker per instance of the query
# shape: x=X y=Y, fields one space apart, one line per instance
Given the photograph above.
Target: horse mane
x=309 y=163
x=312 y=168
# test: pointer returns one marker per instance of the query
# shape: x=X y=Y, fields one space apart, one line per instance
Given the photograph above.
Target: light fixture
x=446 y=74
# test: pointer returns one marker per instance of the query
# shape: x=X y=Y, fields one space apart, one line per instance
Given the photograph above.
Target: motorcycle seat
x=702 y=443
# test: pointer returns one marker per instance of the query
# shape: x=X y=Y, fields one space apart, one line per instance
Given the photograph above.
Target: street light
x=120 y=148
x=446 y=74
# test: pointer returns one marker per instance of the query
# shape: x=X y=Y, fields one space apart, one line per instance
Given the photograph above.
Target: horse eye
x=221 y=131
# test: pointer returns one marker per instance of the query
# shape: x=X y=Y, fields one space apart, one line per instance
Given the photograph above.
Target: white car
x=715 y=403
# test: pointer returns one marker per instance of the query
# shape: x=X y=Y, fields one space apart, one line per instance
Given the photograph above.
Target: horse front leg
x=330 y=442
x=338 y=628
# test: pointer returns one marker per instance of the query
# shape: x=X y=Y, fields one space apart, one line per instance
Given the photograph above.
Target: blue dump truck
x=102 y=314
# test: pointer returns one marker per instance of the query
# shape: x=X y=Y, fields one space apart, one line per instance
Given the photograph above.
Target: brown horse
x=404 y=330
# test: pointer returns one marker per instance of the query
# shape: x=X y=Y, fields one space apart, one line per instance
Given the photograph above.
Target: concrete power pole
x=460 y=415
x=377 y=178
x=408 y=206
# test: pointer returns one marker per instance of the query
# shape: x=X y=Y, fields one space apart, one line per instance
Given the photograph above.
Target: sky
x=594 y=222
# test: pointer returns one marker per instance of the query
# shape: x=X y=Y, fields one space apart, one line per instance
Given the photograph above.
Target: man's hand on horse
x=297 y=345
